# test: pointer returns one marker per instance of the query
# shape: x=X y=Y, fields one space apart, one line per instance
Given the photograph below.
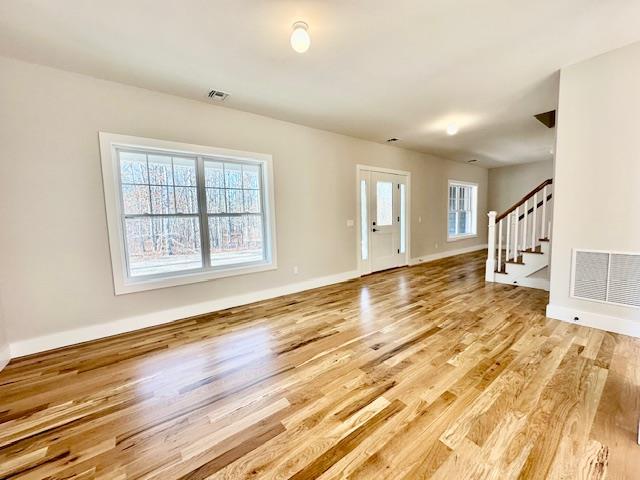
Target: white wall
x=507 y=185
x=56 y=273
x=597 y=177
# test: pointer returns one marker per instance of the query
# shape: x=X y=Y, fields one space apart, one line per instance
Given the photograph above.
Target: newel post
x=491 y=249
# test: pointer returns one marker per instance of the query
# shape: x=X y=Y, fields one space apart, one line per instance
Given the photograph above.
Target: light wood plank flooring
x=421 y=372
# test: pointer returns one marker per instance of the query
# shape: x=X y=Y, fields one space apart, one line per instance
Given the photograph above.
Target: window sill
x=132 y=286
x=462 y=237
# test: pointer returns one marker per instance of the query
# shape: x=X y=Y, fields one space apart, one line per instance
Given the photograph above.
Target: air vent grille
x=624 y=279
x=590 y=278
x=609 y=277
x=218 y=96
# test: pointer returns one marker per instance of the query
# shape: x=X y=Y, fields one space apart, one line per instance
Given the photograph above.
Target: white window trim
x=109 y=142
x=456 y=238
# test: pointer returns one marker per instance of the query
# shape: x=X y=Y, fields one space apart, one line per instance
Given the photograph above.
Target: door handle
x=374 y=230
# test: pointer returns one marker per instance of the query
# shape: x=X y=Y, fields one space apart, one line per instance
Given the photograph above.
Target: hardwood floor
x=421 y=372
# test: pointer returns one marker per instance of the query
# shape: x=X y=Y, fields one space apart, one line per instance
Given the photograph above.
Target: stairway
x=519 y=241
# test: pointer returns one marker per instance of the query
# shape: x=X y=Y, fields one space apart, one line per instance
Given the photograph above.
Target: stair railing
x=519 y=229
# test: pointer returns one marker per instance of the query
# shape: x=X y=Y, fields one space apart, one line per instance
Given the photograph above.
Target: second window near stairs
x=462 y=210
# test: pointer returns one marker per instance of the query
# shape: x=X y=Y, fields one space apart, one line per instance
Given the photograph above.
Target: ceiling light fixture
x=300 y=39
x=452 y=129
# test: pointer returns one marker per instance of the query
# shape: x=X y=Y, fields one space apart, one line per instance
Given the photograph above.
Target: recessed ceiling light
x=300 y=39
x=452 y=129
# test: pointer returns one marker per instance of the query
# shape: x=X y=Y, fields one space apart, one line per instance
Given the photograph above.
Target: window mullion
x=202 y=211
x=146 y=156
x=173 y=185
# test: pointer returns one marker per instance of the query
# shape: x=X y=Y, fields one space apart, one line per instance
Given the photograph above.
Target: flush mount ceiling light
x=452 y=129
x=300 y=39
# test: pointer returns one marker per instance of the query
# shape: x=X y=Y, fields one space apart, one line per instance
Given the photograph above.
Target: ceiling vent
x=218 y=96
x=548 y=119
x=608 y=277
x=391 y=140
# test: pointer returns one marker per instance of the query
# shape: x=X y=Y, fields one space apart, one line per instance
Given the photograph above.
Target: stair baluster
x=506 y=255
x=543 y=223
x=500 y=245
x=534 y=222
x=524 y=227
x=515 y=234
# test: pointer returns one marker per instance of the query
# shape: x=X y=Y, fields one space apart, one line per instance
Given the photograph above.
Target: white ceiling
x=376 y=68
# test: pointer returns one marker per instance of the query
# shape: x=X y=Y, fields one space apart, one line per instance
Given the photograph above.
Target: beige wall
x=56 y=272
x=509 y=184
x=597 y=173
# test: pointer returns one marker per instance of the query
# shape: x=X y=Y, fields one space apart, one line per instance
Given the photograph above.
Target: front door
x=387 y=204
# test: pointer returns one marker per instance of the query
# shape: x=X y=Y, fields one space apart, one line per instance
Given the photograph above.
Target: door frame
x=364 y=266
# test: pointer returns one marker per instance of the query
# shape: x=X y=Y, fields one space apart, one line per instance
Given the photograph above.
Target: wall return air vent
x=608 y=277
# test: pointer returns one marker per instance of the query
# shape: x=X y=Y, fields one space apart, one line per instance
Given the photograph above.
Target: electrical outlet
x=419 y=219
x=436 y=245
x=350 y=223
x=295 y=270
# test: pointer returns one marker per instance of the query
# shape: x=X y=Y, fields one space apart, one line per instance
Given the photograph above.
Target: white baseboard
x=539 y=283
x=445 y=254
x=594 y=320
x=94 y=332
x=5 y=356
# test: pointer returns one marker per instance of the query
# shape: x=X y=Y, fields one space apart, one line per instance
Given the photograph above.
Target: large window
x=184 y=213
x=462 y=212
